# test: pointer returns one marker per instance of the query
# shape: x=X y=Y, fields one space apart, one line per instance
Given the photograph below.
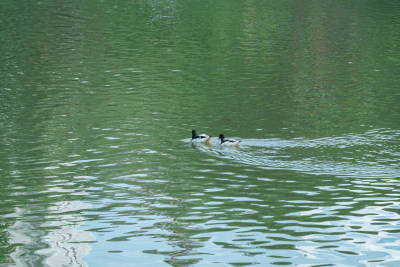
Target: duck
x=201 y=138
x=228 y=142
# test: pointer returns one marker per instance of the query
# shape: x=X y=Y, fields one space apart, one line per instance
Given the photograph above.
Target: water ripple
x=373 y=154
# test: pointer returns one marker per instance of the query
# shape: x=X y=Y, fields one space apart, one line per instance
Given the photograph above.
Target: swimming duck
x=201 y=138
x=228 y=142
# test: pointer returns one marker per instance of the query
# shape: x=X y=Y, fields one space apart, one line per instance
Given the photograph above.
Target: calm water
x=98 y=100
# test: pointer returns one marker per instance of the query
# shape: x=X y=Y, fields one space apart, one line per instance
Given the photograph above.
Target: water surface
x=97 y=102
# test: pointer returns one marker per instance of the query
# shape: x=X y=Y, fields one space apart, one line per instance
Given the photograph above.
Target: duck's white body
x=228 y=142
x=202 y=138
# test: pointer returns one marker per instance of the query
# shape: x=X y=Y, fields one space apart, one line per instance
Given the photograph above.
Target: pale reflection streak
x=67 y=243
x=17 y=235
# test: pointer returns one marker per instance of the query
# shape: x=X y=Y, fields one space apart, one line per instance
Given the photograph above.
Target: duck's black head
x=194 y=134
x=221 y=136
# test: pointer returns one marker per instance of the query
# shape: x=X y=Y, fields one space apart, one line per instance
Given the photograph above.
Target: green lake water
x=98 y=100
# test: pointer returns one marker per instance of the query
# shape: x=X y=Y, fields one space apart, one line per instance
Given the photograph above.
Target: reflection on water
x=67 y=244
